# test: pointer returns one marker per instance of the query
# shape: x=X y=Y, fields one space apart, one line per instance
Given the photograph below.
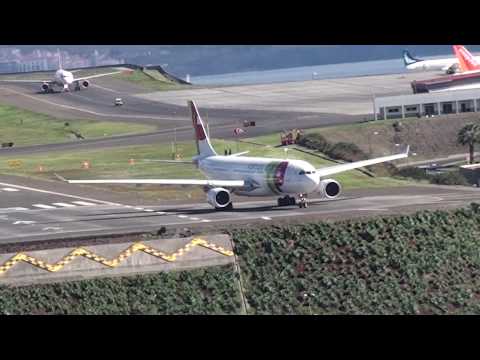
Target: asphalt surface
x=51 y=210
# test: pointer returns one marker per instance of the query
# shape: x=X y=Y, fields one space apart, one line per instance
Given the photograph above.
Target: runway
x=38 y=212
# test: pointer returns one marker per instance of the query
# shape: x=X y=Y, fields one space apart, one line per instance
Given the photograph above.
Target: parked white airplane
x=63 y=79
x=448 y=65
x=253 y=176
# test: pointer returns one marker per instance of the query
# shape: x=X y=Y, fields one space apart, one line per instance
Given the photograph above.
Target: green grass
x=24 y=127
x=139 y=78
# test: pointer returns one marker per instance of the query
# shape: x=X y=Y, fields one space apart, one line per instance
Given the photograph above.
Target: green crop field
x=427 y=263
x=23 y=127
x=203 y=291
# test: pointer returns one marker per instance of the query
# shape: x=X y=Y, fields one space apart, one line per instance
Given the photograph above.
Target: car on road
x=118 y=101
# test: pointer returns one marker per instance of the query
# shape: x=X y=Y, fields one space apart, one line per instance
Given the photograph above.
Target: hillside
x=428 y=137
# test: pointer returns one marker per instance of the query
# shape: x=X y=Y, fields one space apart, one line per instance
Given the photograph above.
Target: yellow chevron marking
x=136 y=247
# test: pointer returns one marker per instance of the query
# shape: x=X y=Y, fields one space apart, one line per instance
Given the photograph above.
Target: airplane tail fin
x=204 y=147
x=408 y=59
x=466 y=60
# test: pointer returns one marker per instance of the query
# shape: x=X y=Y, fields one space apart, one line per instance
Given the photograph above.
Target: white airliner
x=63 y=79
x=253 y=176
x=447 y=65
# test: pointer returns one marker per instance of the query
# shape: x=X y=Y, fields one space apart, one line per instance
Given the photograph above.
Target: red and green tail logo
x=275 y=175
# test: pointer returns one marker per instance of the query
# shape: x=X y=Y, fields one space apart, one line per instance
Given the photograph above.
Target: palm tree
x=469 y=135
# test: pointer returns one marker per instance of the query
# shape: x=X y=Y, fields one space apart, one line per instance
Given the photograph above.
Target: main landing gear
x=289 y=200
x=286 y=201
x=228 y=207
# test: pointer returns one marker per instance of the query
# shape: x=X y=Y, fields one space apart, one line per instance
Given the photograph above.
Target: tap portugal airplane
x=253 y=176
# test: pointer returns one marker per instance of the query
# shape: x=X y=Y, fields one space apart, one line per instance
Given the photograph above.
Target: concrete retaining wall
x=114 y=259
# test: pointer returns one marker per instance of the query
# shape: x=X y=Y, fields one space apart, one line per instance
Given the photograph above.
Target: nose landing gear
x=302 y=201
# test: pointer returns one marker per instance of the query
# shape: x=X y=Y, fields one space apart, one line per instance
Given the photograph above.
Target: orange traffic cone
x=86 y=164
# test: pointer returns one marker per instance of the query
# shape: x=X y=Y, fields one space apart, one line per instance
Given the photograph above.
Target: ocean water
x=331 y=71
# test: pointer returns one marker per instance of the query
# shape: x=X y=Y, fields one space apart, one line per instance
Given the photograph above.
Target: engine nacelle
x=45 y=87
x=85 y=83
x=330 y=188
x=452 y=69
x=218 y=197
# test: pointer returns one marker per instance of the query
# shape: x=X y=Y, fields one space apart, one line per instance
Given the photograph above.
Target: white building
x=437 y=103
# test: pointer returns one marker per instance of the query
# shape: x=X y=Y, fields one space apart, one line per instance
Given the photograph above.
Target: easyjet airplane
x=253 y=176
x=448 y=65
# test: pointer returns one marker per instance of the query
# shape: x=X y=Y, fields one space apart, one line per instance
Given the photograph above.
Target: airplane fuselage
x=262 y=176
x=63 y=78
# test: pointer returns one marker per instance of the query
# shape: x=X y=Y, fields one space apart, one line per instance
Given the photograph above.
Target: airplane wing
x=359 y=164
x=220 y=183
x=97 y=76
x=170 y=161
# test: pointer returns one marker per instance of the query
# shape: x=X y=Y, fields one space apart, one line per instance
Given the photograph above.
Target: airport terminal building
x=427 y=104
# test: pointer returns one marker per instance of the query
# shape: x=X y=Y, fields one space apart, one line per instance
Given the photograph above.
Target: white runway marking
x=266 y=218
x=64 y=205
x=42 y=206
x=182 y=216
x=56 y=193
x=160 y=212
x=139 y=208
x=23 y=222
x=206 y=220
x=13 y=209
x=194 y=218
x=54 y=228
x=85 y=203
x=10 y=189
x=149 y=210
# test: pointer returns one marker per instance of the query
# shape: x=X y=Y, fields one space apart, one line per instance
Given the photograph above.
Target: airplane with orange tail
x=468 y=77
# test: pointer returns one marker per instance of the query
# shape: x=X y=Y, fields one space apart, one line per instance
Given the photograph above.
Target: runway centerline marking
x=42 y=206
x=64 y=205
x=10 y=189
x=85 y=203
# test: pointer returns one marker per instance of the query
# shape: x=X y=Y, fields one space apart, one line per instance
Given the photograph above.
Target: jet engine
x=45 y=87
x=330 y=188
x=85 y=83
x=218 y=197
x=452 y=69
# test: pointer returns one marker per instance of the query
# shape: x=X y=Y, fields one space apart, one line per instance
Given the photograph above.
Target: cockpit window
x=301 y=172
